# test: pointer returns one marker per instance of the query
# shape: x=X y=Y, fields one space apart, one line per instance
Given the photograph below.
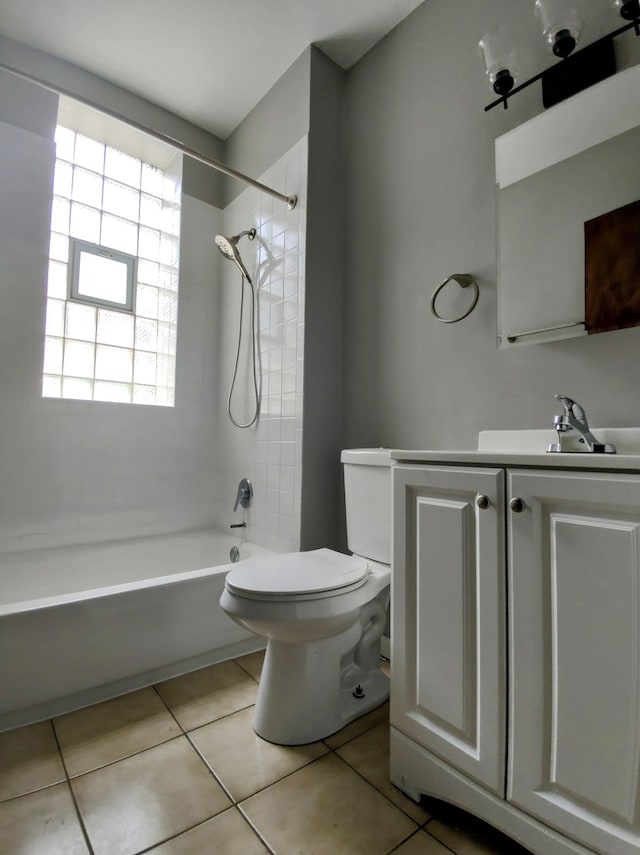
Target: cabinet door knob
x=517 y=505
x=483 y=501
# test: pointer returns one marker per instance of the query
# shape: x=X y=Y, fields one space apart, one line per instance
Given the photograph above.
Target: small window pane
x=85 y=223
x=152 y=180
x=53 y=355
x=146 y=334
x=119 y=234
x=147 y=301
x=117 y=392
x=62 y=178
x=51 y=386
x=114 y=363
x=122 y=200
x=102 y=278
x=73 y=387
x=65 y=140
x=87 y=187
x=60 y=211
x=81 y=322
x=59 y=247
x=57 y=280
x=54 y=324
x=79 y=358
x=89 y=153
x=115 y=328
x=122 y=167
x=145 y=368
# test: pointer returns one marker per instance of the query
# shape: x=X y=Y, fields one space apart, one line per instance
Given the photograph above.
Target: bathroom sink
x=626 y=441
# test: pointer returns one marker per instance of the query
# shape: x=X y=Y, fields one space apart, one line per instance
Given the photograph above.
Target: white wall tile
x=274 y=258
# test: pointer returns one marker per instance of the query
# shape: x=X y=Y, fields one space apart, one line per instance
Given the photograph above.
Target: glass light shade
x=628 y=9
x=496 y=48
x=561 y=26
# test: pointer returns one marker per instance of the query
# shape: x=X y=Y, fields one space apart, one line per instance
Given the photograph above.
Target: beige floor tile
x=42 y=823
x=29 y=760
x=329 y=806
x=421 y=844
x=369 y=755
x=112 y=730
x=208 y=694
x=225 y=834
x=243 y=761
x=360 y=725
x=252 y=663
x=141 y=801
x=467 y=835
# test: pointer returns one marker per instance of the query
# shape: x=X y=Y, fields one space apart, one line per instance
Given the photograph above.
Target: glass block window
x=112 y=289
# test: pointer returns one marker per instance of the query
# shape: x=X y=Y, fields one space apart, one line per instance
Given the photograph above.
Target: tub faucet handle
x=244 y=496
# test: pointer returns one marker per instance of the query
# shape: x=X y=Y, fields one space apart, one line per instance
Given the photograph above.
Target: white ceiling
x=209 y=61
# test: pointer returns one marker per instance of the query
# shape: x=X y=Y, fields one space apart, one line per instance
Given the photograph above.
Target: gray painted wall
x=323 y=358
x=421 y=205
x=274 y=125
x=198 y=180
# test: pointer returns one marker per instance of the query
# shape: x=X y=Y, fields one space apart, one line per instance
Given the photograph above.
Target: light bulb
x=560 y=25
x=496 y=48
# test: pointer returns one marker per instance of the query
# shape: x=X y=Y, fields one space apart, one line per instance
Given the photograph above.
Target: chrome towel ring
x=463 y=280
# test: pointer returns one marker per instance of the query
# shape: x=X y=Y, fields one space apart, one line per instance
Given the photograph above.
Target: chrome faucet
x=575 y=418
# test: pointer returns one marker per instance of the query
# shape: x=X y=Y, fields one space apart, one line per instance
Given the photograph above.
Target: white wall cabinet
x=548 y=594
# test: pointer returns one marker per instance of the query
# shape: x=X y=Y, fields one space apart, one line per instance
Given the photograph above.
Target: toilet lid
x=297 y=573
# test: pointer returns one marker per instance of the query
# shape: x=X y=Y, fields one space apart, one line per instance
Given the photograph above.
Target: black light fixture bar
x=635 y=24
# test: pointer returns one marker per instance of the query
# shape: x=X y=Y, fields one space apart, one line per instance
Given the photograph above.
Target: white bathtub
x=84 y=623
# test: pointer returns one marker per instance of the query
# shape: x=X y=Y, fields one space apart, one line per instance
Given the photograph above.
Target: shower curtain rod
x=290 y=201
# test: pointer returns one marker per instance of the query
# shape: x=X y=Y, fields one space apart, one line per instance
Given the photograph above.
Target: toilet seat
x=298 y=576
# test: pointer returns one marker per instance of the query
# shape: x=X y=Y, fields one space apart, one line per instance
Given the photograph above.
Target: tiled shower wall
x=269 y=452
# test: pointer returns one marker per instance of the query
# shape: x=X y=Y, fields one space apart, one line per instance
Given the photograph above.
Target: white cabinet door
x=574 y=630
x=448 y=616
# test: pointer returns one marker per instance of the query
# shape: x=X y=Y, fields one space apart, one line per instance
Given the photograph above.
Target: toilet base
x=309 y=691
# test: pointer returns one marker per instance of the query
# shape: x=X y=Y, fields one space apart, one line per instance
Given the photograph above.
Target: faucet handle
x=570 y=407
x=244 y=496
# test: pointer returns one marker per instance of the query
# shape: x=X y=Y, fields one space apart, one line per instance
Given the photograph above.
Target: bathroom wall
x=308 y=100
x=269 y=452
x=76 y=471
x=421 y=205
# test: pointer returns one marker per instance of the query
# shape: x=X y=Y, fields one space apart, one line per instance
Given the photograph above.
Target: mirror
x=562 y=169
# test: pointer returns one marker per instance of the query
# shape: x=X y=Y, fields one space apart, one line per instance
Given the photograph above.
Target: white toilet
x=323 y=614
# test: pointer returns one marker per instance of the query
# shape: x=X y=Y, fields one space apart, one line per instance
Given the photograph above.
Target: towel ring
x=463 y=280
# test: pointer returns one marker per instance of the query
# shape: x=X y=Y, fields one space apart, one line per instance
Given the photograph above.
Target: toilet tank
x=367 y=494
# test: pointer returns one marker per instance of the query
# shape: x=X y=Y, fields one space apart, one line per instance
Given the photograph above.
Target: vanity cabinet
x=516 y=650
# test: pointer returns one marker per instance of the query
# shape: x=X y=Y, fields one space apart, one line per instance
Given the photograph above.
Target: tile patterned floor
x=177 y=770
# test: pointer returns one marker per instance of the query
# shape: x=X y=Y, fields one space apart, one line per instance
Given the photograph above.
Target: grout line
x=197 y=825
x=210 y=770
x=83 y=828
x=378 y=790
x=255 y=831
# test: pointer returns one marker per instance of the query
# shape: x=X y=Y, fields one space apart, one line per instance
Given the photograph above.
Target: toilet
x=323 y=614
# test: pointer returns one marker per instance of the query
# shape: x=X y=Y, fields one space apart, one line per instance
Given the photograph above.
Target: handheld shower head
x=228 y=246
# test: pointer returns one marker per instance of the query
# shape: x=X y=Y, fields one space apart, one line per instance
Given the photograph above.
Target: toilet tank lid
x=296 y=573
x=366 y=456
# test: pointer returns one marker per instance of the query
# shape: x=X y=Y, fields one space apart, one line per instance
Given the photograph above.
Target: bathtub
x=81 y=624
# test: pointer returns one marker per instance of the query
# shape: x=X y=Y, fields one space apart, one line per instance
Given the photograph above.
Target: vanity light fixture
x=561 y=29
